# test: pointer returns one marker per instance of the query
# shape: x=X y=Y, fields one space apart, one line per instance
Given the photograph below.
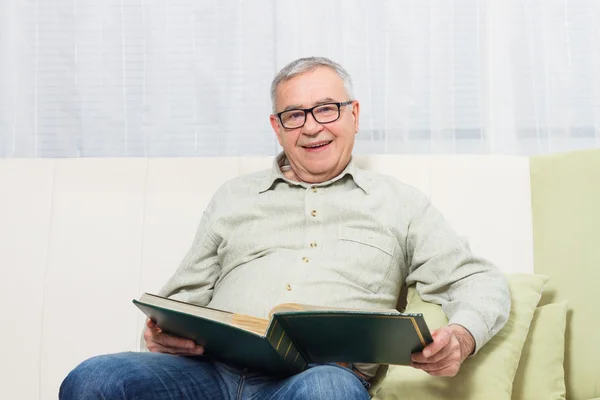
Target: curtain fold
x=130 y=78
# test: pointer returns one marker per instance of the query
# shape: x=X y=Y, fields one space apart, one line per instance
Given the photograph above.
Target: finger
x=450 y=370
x=158 y=348
x=441 y=338
x=167 y=340
x=196 y=351
x=437 y=357
x=443 y=366
x=179 y=351
x=152 y=326
x=428 y=367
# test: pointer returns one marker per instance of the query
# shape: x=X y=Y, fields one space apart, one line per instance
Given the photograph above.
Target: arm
x=472 y=292
x=193 y=282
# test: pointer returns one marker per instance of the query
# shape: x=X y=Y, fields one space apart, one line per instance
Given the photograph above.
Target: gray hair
x=308 y=64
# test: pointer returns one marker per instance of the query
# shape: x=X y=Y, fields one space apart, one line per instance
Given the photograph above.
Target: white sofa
x=80 y=238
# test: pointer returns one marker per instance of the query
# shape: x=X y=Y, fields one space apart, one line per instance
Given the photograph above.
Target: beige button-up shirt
x=348 y=242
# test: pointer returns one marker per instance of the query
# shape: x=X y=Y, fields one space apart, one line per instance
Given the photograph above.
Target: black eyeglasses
x=322 y=113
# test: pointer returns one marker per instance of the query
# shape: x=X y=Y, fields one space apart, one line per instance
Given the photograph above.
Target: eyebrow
x=299 y=106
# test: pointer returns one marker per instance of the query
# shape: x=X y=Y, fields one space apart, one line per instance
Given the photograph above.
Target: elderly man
x=313 y=229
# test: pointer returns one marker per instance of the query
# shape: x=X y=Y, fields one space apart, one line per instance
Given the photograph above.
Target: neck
x=298 y=175
x=291 y=175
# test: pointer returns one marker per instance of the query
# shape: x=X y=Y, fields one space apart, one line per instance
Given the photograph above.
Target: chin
x=322 y=169
x=322 y=164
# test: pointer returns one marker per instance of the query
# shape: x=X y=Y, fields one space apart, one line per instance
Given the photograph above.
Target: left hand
x=451 y=345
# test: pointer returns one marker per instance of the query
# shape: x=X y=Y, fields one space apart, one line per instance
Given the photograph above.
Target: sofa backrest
x=80 y=238
x=566 y=219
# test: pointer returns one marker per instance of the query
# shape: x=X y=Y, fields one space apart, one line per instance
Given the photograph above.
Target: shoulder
x=238 y=188
x=391 y=187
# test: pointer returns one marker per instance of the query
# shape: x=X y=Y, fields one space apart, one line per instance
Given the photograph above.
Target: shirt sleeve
x=194 y=280
x=471 y=290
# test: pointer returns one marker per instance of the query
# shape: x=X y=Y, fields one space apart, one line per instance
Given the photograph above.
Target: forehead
x=310 y=87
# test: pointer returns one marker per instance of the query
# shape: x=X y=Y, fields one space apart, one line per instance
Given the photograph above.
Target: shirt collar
x=275 y=174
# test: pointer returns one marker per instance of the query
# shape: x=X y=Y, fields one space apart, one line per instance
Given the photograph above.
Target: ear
x=276 y=127
x=356 y=115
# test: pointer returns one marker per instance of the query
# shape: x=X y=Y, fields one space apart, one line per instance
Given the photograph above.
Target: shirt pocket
x=365 y=256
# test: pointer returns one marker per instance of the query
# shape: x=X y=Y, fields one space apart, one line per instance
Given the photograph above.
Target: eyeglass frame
x=307 y=110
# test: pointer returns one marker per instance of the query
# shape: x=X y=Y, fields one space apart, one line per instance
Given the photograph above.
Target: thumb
x=151 y=324
x=441 y=335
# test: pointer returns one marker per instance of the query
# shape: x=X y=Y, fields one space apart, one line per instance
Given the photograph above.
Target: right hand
x=160 y=342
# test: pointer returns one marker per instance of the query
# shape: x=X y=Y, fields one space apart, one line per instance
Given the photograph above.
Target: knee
x=330 y=382
x=99 y=377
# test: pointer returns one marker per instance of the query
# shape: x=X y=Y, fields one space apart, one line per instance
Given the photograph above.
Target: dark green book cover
x=291 y=340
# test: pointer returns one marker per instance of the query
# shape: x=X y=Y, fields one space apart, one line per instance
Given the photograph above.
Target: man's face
x=334 y=140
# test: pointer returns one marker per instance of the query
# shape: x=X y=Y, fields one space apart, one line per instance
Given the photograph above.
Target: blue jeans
x=165 y=376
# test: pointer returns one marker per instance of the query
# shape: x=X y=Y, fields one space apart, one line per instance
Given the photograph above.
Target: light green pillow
x=487 y=375
x=541 y=374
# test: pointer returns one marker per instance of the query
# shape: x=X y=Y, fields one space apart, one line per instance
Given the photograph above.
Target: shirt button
x=314 y=189
x=313 y=213
x=288 y=287
x=305 y=259
x=313 y=245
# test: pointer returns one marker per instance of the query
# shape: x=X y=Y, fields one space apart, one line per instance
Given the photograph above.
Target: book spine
x=285 y=347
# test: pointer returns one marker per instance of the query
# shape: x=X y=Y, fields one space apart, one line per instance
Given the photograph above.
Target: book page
x=242 y=321
x=287 y=307
x=250 y=323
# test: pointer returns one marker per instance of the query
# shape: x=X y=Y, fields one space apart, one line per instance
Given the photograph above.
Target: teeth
x=318 y=145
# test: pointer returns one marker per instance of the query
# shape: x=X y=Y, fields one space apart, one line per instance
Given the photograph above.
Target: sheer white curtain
x=83 y=78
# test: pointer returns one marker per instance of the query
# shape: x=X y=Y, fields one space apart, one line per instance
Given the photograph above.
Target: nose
x=311 y=126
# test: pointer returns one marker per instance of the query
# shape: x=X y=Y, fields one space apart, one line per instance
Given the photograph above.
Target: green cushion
x=487 y=375
x=565 y=195
x=541 y=373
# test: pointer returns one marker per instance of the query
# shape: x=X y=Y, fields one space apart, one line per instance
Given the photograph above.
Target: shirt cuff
x=472 y=322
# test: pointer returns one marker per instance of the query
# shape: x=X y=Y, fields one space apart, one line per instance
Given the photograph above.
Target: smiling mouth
x=317 y=145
